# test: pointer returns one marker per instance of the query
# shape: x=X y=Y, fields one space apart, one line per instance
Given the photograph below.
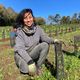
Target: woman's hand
x=56 y=40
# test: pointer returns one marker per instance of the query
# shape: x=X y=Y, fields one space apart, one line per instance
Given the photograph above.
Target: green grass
x=72 y=67
x=7 y=31
x=9 y=71
x=3 y=43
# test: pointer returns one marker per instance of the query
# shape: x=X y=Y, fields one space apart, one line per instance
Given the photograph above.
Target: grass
x=9 y=71
x=6 y=30
x=3 y=43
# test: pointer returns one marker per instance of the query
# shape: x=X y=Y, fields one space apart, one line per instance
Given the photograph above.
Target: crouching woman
x=31 y=44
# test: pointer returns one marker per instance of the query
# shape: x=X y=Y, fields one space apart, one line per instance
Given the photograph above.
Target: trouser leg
x=21 y=64
x=40 y=52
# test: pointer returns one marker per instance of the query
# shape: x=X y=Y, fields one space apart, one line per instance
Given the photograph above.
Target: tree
x=51 y=19
x=54 y=19
x=74 y=18
x=79 y=18
x=40 y=21
x=11 y=15
x=68 y=21
x=64 y=20
x=57 y=18
x=7 y=16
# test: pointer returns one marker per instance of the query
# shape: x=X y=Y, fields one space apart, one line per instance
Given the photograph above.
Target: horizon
x=45 y=8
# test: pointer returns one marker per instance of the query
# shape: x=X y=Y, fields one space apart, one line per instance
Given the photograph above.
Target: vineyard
x=9 y=71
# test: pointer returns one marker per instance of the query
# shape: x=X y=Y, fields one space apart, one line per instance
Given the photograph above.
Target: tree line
x=57 y=19
x=8 y=16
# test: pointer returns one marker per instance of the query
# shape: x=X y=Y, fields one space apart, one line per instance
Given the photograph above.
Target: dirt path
x=5 y=46
x=6 y=39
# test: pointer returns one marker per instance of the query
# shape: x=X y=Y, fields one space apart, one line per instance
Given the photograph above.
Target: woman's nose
x=28 y=19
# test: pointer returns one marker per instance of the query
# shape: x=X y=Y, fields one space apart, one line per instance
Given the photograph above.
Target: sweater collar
x=29 y=31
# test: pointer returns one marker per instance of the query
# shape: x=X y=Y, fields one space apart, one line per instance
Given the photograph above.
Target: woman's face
x=28 y=19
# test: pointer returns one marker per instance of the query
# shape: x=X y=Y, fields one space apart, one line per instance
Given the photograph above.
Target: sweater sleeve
x=45 y=38
x=20 y=48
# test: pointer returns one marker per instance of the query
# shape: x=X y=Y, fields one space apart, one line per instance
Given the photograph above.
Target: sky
x=44 y=8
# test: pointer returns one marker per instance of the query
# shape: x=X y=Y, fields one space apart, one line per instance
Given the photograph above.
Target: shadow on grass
x=50 y=67
x=77 y=54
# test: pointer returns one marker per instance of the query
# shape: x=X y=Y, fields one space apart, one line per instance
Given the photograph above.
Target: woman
x=31 y=43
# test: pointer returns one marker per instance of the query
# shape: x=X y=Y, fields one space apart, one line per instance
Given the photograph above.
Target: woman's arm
x=45 y=38
x=20 y=48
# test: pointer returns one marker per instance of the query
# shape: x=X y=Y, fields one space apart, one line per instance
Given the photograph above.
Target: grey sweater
x=24 y=43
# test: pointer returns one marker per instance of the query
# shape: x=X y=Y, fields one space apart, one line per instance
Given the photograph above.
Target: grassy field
x=6 y=31
x=9 y=71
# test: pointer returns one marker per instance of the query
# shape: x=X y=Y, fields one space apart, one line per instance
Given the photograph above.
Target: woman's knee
x=45 y=45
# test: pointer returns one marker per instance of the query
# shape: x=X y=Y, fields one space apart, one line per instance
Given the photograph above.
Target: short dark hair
x=20 y=17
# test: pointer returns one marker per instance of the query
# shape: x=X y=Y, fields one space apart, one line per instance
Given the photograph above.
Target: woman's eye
x=25 y=17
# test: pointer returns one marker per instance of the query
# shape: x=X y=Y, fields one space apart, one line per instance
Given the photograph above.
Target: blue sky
x=44 y=8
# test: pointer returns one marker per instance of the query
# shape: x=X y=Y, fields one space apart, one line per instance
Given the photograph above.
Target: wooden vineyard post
x=12 y=38
x=3 y=34
x=76 y=45
x=59 y=62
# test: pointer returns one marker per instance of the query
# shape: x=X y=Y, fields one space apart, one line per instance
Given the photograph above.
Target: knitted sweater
x=24 y=43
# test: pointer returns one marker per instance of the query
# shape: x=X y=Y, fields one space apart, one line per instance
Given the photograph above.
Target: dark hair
x=15 y=25
x=20 y=17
